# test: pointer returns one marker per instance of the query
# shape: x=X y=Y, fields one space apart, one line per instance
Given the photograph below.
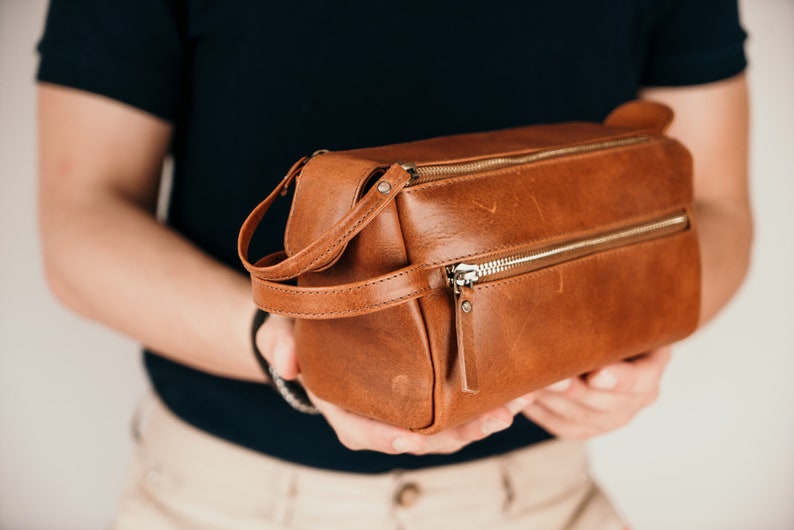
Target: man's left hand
x=600 y=401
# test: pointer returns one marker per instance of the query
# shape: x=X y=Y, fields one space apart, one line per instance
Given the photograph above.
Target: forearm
x=712 y=121
x=725 y=235
x=106 y=256
x=108 y=259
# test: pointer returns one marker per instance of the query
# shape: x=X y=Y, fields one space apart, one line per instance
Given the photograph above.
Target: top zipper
x=431 y=172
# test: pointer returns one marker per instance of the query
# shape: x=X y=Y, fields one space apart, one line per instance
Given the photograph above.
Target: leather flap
x=641 y=115
x=326 y=189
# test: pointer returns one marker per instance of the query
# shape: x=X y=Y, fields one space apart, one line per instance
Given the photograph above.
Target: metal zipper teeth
x=555 y=254
x=433 y=172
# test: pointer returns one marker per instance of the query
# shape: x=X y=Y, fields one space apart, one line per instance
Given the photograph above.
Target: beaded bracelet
x=292 y=392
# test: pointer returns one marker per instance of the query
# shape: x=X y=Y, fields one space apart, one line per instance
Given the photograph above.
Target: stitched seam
x=341 y=238
x=575 y=262
x=348 y=311
x=351 y=202
x=260 y=281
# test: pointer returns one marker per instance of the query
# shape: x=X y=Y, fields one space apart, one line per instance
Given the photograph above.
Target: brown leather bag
x=438 y=279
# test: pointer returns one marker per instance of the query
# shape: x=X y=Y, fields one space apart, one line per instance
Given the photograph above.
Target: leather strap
x=464 y=331
x=268 y=273
x=344 y=300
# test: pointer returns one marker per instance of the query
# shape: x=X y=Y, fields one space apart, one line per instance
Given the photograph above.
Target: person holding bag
x=236 y=92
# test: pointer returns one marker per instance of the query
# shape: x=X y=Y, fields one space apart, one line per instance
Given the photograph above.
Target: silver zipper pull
x=461 y=278
x=462 y=275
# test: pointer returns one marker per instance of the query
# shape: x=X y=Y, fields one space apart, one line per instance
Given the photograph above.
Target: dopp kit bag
x=432 y=281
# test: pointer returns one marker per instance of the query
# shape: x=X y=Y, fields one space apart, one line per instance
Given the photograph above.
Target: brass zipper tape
x=428 y=173
x=537 y=258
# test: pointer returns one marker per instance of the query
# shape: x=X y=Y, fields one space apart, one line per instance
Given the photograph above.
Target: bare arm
x=712 y=121
x=108 y=258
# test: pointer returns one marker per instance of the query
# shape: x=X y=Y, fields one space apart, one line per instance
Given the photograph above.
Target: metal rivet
x=384 y=187
x=466 y=306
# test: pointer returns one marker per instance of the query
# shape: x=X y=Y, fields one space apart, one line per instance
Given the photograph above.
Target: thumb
x=284 y=359
x=276 y=341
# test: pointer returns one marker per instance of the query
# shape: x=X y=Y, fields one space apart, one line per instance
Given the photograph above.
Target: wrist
x=292 y=391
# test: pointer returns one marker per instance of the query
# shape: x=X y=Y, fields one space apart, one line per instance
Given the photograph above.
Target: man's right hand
x=356 y=432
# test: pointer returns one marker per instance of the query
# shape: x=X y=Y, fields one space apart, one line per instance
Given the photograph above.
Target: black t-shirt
x=250 y=86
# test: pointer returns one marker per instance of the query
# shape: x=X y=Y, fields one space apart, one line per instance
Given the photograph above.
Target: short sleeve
x=128 y=50
x=694 y=42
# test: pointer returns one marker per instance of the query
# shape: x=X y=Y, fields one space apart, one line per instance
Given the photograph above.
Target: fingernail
x=492 y=425
x=517 y=405
x=604 y=380
x=404 y=445
x=560 y=386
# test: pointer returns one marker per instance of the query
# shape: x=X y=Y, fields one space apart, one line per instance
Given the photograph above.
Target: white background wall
x=716 y=452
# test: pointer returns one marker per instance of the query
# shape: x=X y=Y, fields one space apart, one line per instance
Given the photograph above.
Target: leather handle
x=336 y=301
x=254 y=219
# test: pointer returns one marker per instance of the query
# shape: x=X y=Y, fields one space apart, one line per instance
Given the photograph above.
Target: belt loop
x=507 y=482
x=140 y=416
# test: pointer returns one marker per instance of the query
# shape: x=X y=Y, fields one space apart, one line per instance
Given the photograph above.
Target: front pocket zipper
x=463 y=276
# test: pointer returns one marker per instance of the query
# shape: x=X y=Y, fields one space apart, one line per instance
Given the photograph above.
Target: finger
x=357 y=432
x=571 y=387
x=602 y=400
x=560 y=386
x=658 y=359
x=519 y=404
x=639 y=374
x=592 y=424
x=609 y=402
x=492 y=421
x=285 y=360
x=481 y=427
x=556 y=425
x=567 y=409
x=276 y=342
x=618 y=410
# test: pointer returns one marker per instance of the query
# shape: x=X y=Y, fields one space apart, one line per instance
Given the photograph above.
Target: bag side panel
x=379 y=364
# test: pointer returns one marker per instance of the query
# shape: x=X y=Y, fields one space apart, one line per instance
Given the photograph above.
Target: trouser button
x=408 y=495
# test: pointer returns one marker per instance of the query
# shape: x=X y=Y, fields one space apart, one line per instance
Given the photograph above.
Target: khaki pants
x=183 y=478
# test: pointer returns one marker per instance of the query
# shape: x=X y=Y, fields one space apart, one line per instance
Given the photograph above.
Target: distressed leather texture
x=380 y=331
